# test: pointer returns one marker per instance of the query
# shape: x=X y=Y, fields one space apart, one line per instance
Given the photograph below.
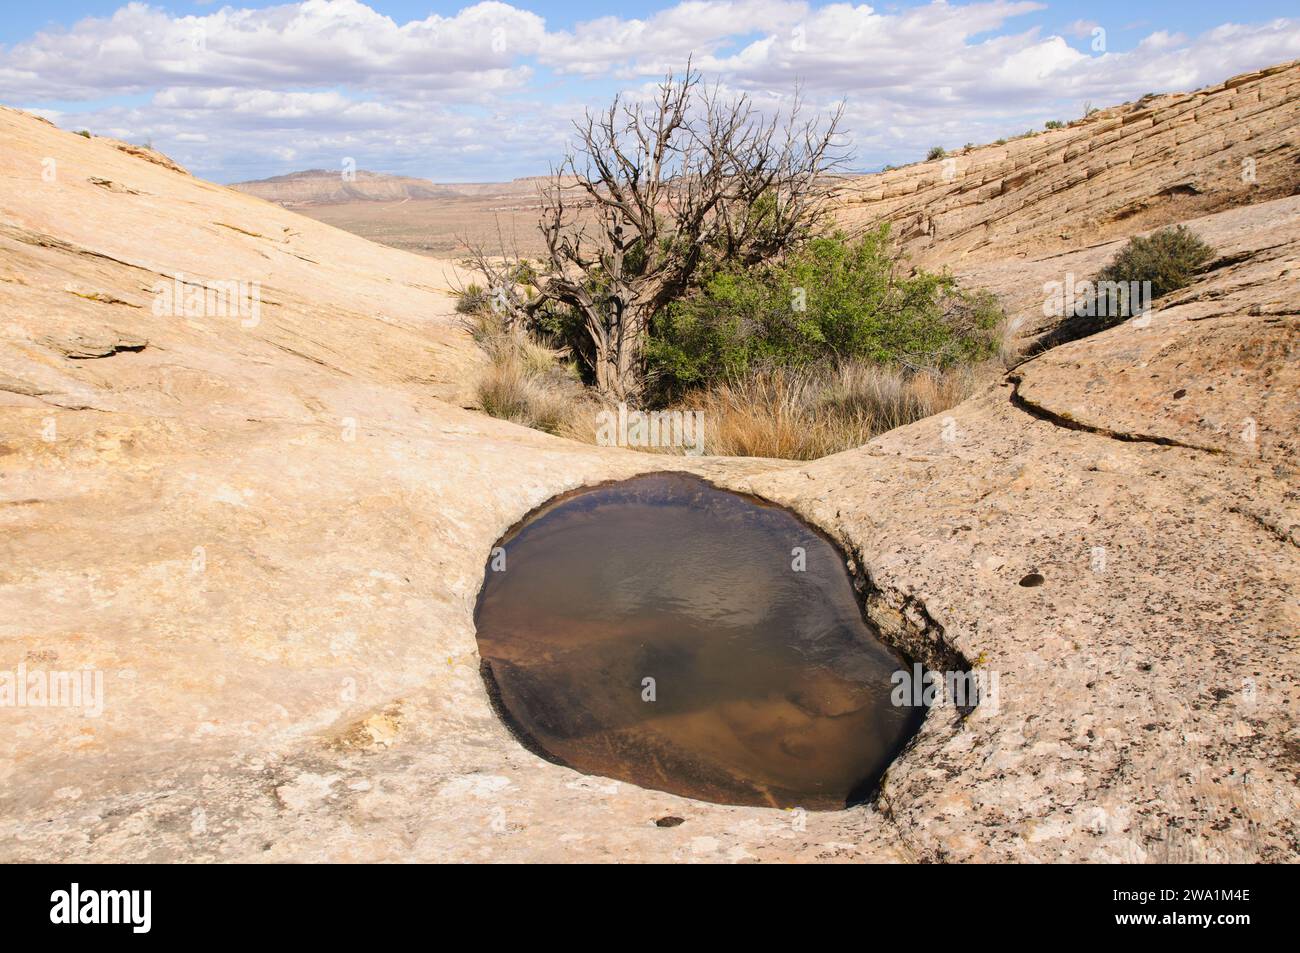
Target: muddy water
x=656 y=631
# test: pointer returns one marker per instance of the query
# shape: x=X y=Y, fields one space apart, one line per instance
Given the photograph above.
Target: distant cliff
x=326 y=187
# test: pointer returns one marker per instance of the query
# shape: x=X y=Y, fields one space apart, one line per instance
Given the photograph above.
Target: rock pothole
x=689 y=639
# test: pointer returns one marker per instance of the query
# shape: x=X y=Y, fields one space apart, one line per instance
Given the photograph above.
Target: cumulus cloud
x=313 y=43
x=630 y=47
x=232 y=134
x=489 y=90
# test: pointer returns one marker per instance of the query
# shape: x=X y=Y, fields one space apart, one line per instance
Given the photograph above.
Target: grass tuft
x=803 y=414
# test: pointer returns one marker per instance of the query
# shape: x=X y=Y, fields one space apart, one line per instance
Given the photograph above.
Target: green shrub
x=1169 y=259
x=936 y=152
x=832 y=300
x=1053 y=124
x=84 y=132
x=471 y=300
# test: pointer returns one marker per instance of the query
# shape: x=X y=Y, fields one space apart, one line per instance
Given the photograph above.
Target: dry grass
x=803 y=415
x=1011 y=347
x=529 y=383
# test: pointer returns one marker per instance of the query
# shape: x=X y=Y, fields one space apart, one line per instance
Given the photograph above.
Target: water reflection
x=767 y=687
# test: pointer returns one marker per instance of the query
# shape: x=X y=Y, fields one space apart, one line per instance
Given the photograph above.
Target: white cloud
x=489 y=91
x=313 y=43
x=665 y=40
x=253 y=133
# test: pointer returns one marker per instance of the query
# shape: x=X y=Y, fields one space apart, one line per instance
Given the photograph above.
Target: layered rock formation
x=266 y=531
x=1161 y=159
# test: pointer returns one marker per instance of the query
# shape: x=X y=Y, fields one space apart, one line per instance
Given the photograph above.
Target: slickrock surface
x=269 y=538
x=1121 y=170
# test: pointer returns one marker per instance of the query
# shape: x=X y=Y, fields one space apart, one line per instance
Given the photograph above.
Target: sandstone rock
x=1118 y=171
x=84 y=346
x=268 y=539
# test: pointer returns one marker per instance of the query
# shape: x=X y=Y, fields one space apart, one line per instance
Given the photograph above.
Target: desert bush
x=550 y=401
x=503 y=391
x=527 y=381
x=1053 y=124
x=489 y=331
x=472 y=298
x=936 y=152
x=1168 y=258
x=833 y=300
x=812 y=354
x=796 y=412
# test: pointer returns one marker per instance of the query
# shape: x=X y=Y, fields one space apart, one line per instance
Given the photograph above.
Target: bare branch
x=649 y=189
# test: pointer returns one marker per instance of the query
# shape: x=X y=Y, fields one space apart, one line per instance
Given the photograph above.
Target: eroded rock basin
x=680 y=637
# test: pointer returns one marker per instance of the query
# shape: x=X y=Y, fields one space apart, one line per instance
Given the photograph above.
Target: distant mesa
x=331 y=187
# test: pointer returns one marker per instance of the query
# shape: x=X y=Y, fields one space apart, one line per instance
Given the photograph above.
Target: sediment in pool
x=680 y=637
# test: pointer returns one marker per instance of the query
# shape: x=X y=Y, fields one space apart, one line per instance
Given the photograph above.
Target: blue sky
x=461 y=91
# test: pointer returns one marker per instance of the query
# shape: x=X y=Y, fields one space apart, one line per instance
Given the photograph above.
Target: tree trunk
x=616 y=377
x=620 y=354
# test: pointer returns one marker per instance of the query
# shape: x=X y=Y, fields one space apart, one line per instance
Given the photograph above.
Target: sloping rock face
x=1161 y=159
x=265 y=534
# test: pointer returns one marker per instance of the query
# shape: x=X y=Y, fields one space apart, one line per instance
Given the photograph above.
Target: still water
x=659 y=631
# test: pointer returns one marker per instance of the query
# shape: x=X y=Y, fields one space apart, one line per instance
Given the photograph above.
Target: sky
x=466 y=92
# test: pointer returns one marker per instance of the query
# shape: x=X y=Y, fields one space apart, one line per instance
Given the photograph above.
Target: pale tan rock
x=269 y=540
x=1118 y=171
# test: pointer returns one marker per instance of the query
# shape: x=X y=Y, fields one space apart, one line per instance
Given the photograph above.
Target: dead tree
x=649 y=189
